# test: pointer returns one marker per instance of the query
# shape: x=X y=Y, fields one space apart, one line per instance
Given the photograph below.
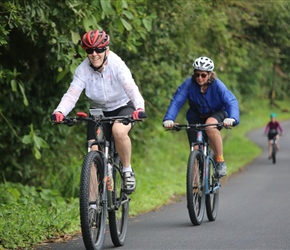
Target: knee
x=213 y=132
x=119 y=133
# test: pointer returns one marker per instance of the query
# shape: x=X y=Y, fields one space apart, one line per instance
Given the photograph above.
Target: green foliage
x=39 y=50
x=37 y=142
x=29 y=216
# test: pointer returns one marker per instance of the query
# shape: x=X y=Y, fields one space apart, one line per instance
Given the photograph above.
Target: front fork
x=107 y=179
x=207 y=173
x=203 y=148
x=206 y=168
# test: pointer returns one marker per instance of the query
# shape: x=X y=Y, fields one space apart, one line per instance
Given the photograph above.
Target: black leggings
x=272 y=135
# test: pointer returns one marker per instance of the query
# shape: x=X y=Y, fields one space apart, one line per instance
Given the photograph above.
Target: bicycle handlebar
x=83 y=117
x=197 y=126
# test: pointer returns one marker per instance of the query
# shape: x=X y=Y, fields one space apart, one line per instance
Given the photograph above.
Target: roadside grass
x=29 y=215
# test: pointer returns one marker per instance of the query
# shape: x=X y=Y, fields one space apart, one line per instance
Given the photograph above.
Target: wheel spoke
x=212 y=197
x=195 y=190
x=92 y=208
x=118 y=217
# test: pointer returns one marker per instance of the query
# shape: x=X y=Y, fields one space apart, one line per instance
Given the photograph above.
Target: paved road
x=254 y=213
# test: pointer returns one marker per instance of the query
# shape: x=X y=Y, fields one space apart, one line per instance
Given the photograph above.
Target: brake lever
x=69 y=123
x=125 y=122
x=142 y=115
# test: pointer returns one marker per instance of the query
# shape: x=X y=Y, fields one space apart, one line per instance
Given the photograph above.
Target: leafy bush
x=31 y=215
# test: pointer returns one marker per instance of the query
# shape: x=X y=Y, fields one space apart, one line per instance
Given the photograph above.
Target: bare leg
x=270 y=148
x=123 y=142
x=277 y=141
x=215 y=137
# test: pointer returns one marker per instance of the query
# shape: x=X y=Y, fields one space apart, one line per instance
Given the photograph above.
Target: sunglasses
x=97 y=50
x=203 y=75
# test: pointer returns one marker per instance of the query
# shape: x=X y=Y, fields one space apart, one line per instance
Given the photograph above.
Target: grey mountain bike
x=202 y=179
x=274 y=149
x=101 y=184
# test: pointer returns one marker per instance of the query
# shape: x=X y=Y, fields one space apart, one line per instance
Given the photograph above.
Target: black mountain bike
x=101 y=184
x=202 y=179
x=274 y=149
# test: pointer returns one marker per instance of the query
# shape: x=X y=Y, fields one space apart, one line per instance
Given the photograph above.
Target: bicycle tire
x=119 y=216
x=195 y=190
x=212 y=198
x=93 y=221
x=274 y=150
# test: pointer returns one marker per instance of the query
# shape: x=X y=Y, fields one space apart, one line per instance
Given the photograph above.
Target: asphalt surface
x=254 y=212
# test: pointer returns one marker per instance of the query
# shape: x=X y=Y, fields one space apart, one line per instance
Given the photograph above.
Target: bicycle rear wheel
x=118 y=216
x=195 y=187
x=274 y=150
x=92 y=207
x=212 y=198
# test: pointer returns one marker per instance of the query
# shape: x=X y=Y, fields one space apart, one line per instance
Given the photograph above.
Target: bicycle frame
x=207 y=188
x=103 y=149
x=274 y=149
x=203 y=146
x=102 y=177
x=107 y=150
x=202 y=180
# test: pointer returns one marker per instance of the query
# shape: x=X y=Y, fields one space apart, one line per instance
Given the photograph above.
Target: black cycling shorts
x=272 y=134
x=192 y=134
x=124 y=110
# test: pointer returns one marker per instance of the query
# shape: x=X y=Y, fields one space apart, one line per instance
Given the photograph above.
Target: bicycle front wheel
x=92 y=207
x=212 y=198
x=118 y=216
x=195 y=187
x=274 y=150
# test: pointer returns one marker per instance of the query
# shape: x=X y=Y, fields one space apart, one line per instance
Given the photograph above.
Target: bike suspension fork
x=204 y=149
x=199 y=141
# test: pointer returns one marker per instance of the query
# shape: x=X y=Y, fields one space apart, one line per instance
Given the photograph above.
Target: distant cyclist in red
x=272 y=130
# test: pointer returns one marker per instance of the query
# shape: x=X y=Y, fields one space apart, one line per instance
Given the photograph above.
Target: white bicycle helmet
x=203 y=63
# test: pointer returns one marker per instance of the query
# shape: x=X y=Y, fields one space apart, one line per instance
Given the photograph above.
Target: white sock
x=127 y=169
x=93 y=206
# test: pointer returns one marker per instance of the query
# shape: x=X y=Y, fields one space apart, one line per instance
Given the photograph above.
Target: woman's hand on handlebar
x=168 y=124
x=229 y=122
x=139 y=114
x=57 y=116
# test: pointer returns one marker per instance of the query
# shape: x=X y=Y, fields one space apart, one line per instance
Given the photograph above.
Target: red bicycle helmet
x=95 y=39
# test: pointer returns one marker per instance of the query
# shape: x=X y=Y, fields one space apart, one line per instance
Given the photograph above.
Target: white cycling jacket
x=109 y=90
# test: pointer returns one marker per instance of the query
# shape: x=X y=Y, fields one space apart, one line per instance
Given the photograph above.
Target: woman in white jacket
x=108 y=85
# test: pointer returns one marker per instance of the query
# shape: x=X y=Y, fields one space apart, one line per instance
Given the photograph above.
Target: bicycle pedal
x=215 y=175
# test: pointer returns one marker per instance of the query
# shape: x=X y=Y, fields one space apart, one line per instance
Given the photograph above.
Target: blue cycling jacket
x=216 y=98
